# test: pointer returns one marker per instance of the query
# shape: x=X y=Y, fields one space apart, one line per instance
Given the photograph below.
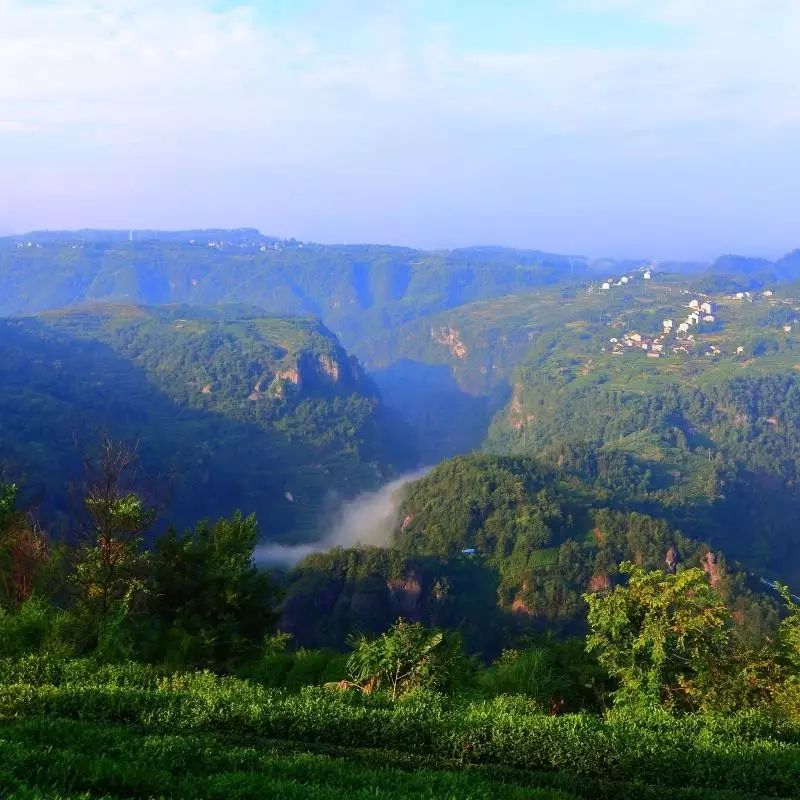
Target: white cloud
x=103 y=97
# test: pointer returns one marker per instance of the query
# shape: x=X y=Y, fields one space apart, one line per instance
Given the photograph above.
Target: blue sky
x=657 y=128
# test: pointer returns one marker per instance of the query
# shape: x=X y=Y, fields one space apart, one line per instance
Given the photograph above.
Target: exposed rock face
x=711 y=568
x=451 y=338
x=406 y=594
x=329 y=367
x=316 y=371
x=517 y=419
x=600 y=583
x=671 y=559
x=520 y=607
x=291 y=374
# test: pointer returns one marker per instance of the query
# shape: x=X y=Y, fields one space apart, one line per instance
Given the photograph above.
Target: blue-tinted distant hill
x=233 y=408
x=355 y=289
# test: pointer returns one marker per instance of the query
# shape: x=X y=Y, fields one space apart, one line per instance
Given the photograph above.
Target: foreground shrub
x=745 y=752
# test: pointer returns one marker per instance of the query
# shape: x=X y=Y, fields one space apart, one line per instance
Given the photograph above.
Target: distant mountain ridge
x=441 y=331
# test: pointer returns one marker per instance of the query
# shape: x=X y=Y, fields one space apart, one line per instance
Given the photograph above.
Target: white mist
x=368 y=518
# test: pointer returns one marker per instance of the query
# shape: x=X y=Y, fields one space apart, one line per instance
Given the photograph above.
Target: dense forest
x=496 y=547
x=716 y=459
x=591 y=591
x=234 y=408
x=101 y=642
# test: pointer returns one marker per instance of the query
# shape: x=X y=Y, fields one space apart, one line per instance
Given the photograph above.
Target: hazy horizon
x=337 y=243
x=604 y=127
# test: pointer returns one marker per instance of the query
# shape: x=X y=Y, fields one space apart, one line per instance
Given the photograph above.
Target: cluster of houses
x=654 y=346
x=679 y=335
x=624 y=280
x=683 y=341
x=749 y=295
x=219 y=244
x=698 y=312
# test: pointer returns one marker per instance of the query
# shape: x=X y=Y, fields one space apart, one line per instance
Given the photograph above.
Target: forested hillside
x=699 y=426
x=441 y=332
x=356 y=290
x=578 y=611
x=232 y=409
x=495 y=546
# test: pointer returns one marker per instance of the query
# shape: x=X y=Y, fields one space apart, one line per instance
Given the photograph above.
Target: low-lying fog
x=368 y=518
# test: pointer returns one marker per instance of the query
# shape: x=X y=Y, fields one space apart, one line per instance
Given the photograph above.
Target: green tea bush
x=742 y=752
x=115 y=760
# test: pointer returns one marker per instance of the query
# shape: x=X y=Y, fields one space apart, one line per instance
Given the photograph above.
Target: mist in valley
x=367 y=519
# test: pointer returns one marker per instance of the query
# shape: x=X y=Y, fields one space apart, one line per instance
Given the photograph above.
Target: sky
x=641 y=128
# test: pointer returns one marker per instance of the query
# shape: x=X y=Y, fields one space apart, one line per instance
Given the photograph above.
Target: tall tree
x=23 y=551
x=110 y=562
x=212 y=604
x=665 y=637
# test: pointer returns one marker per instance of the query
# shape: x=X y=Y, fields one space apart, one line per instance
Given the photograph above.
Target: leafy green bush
x=531 y=672
x=27 y=629
x=746 y=752
x=405 y=658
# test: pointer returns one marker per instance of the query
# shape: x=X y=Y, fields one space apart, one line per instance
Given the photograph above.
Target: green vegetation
x=232 y=408
x=664 y=637
x=363 y=293
x=356 y=289
x=404 y=658
x=97 y=696
x=197 y=726
x=107 y=760
x=575 y=613
x=706 y=439
x=496 y=546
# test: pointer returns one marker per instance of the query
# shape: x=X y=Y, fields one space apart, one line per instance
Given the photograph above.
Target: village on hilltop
x=678 y=336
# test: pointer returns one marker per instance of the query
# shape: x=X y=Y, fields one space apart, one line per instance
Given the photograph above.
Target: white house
x=739 y=350
x=694 y=304
x=768 y=293
x=683 y=327
x=606 y=286
x=623 y=279
x=647 y=275
x=787 y=328
x=740 y=295
x=706 y=308
x=708 y=318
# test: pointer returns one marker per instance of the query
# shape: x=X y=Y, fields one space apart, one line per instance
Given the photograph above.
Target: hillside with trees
x=132 y=671
x=232 y=408
x=496 y=547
